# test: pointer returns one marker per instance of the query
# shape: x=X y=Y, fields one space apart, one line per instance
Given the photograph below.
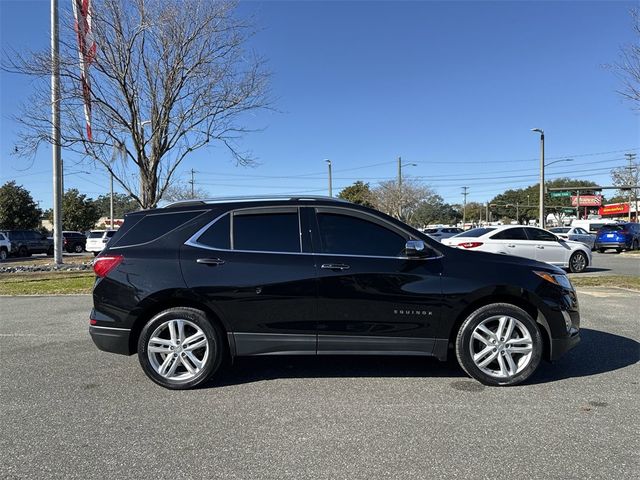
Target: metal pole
x=464 y=206
x=578 y=204
x=330 y=178
x=541 y=213
x=55 y=133
x=518 y=213
x=111 y=203
x=193 y=183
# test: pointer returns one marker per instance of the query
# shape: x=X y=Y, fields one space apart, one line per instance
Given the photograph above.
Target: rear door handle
x=210 y=261
x=511 y=245
x=335 y=266
x=540 y=247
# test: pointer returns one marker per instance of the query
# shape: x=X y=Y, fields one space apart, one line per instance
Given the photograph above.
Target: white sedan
x=529 y=242
x=577 y=234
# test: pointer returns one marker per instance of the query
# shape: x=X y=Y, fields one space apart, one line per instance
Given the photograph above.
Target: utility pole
x=631 y=157
x=111 y=201
x=328 y=162
x=55 y=133
x=193 y=183
x=464 y=206
x=541 y=206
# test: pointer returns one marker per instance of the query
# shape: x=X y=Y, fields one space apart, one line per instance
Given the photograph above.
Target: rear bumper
x=611 y=245
x=110 y=339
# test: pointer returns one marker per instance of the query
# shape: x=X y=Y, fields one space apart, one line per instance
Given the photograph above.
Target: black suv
x=188 y=285
x=26 y=242
x=74 y=242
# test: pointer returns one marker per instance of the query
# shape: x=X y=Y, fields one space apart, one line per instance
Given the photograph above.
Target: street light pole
x=55 y=133
x=330 y=179
x=541 y=210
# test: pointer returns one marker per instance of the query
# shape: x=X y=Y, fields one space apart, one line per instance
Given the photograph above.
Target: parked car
x=442 y=232
x=97 y=240
x=191 y=284
x=529 y=242
x=74 y=242
x=592 y=225
x=5 y=247
x=576 y=234
x=27 y=242
x=620 y=236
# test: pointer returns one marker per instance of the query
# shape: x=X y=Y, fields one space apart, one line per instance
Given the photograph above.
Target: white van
x=592 y=225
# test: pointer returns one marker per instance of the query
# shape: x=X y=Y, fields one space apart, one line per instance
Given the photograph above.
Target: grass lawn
x=46 y=283
x=622 y=281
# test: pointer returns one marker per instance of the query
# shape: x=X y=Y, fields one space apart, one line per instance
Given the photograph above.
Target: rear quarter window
x=151 y=227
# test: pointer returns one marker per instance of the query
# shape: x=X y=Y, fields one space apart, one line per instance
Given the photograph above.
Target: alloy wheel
x=578 y=262
x=178 y=350
x=501 y=346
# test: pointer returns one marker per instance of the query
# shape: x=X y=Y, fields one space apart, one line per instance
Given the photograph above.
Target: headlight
x=556 y=279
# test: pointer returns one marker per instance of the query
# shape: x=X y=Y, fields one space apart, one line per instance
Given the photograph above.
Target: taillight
x=103 y=265
x=470 y=244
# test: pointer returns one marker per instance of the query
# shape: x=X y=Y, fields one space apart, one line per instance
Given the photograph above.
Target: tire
x=635 y=245
x=23 y=252
x=4 y=254
x=50 y=251
x=78 y=248
x=525 y=337
x=601 y=250
x=184 y=371
x=618 y=250
x=95 y=254
x=578 y=262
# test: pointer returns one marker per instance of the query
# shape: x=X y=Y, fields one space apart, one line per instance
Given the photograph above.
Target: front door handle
x=210 y=261
x=511 y=245
x=540 y=247
x=335 y=266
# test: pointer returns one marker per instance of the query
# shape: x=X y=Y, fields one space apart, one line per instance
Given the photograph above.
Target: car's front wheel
x=578 y=262
x=180 y=348
x=499 y=344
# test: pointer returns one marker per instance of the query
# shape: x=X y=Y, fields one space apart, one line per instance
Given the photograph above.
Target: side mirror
x=415 y=248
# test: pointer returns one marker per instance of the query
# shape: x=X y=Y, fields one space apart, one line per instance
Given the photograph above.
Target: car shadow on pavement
x=255 y=369
x=596 y=269
x=598 y=352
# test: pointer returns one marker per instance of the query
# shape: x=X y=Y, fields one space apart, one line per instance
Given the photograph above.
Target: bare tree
x=400 y=202
x=182 y=191
x=169 y=77
x=627 y=68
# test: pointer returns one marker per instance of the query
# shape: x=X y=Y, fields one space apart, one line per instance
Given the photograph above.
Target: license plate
x=609 y=235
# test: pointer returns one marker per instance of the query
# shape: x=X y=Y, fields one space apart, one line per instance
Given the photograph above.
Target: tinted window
x=431 y=230
x=218 y=234
x=2 y=237
x=561 y=230
x=539 y=235
x=612 y=228
x=267 y=232
x=517 y=233
x=475 y=232
x=96 y=234
x=350 y=235
x=581 y=231
x=152 y=227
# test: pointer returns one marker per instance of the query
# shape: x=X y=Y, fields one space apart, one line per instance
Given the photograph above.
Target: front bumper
x=560 y=346
x=110 y=339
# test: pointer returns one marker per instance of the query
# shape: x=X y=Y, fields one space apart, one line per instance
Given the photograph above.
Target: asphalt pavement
x=612 y=263
x=68 y=410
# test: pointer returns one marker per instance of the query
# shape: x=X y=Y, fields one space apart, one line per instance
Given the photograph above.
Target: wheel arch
x=504 y=297
x=165 y=301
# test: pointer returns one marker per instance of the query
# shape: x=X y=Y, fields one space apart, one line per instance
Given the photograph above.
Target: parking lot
x=71 y=411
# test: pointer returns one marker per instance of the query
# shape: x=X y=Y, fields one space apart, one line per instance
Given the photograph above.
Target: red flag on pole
x=82 y=11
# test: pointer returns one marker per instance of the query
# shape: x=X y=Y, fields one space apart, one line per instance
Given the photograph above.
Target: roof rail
x=253 y=198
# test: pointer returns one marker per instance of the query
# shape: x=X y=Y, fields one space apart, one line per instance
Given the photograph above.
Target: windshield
x=475 y=232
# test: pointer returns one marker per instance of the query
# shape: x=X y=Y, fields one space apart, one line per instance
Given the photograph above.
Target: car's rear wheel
x=4 y=254
x=618 y=250
x=634 y=245
x=23 y=252
x=499 y=344
x=180 y=348
x=578 y=262
x=50 y=251
x=78 y=248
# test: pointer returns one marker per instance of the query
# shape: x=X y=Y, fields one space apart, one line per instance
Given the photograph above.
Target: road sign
x=568 y=210
x=565 y=193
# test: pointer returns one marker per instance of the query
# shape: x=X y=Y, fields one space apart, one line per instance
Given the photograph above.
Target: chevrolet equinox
x=191 y=284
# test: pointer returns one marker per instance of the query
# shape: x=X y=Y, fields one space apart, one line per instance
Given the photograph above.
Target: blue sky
x=454 y=87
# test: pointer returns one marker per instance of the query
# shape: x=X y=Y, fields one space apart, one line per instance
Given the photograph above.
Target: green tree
x=78 y=212
x=17 y=208
x=122 y=203
x=359 y=193
x=433 y=210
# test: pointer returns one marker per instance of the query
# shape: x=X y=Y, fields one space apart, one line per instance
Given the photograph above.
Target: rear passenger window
x=511 y=234
x=266 y=232
x=152 y=227
x=217 y=235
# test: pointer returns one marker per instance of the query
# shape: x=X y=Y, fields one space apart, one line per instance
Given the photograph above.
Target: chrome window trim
x=193 y=242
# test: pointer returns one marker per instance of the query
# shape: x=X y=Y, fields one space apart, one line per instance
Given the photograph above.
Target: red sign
x=614 y=209
x=587 y=200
